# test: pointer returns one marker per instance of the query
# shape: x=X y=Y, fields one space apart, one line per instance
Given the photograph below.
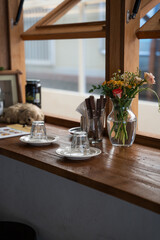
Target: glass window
x=67 y=68
x=85 y=11
x=72 y=65
x=149 y=54
x=35 y=10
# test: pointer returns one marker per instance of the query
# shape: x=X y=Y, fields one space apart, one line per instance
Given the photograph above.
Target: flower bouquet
x=121 y=89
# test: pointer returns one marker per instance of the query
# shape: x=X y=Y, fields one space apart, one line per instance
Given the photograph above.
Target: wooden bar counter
x=131 y=174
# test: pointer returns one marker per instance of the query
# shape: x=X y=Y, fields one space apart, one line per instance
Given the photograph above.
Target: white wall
x=59 y=209
x=64 y=103
x=149 y=117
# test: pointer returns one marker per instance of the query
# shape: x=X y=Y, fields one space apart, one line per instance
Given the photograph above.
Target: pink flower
x=117 y=92
x=138 y=79
x=149 y=78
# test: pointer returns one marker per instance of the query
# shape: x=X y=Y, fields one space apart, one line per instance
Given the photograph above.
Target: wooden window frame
x=43 y=29
x=119 y=53
x=151 y=29
x=69 y=31
x=146 y=6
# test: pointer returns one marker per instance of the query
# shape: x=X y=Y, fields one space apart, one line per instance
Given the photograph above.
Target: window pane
x=35 y=10
x=150 y=58
x=148 y=115
x=85 y=11
x=149 y=62
x=66 y=68
x=62 y=72
x=95 y=62
x=72 y=65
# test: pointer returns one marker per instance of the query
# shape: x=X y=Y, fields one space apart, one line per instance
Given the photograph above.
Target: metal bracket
x=128 y=16
x=12 y=23
x=134 y=12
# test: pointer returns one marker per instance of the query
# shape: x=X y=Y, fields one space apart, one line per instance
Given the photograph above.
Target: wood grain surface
x=151 y=29
x=131 y=174
x=16 y=44
x=146 y=6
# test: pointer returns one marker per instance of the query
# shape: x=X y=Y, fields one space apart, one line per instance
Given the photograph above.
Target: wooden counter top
x=131 y=174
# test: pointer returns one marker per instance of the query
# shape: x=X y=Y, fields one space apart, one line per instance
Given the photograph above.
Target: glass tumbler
x=95 y=128
x=80 y=143
x=38 y=130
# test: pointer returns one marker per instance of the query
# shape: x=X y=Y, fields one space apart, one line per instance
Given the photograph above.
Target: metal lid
x=33 y=81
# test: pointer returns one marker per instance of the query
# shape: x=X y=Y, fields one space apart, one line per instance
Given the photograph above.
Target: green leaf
x=1 y=68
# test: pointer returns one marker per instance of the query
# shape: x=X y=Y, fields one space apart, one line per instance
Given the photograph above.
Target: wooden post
x=122 y=46
x=16 y=44
x=131 y=45
x=4 y=42
x=114 y=40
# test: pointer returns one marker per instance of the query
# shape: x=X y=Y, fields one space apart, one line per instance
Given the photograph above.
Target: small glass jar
x=33 y=92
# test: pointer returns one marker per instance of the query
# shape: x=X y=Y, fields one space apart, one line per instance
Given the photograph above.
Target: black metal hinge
x=19 y=12
x=134 y=12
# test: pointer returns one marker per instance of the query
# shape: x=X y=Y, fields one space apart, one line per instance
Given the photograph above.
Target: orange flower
x=120 y=83
x=129 y=86
x=104 y=83
x=110 y=81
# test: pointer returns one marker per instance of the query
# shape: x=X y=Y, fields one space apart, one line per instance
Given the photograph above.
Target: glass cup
x=95 y=129
x=38 y=130
x=80 y=143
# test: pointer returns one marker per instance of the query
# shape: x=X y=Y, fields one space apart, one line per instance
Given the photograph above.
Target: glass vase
x=121 y=123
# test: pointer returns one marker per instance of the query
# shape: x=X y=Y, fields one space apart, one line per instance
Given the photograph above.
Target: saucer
x=74 y=129
x=65 y=152
x=38 y=142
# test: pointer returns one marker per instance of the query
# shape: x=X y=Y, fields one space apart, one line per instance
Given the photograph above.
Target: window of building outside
x=68 y=68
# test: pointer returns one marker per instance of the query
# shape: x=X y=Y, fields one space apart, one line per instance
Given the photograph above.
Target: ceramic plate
x=43 y=142
x=65 y=152
x=73 y=130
